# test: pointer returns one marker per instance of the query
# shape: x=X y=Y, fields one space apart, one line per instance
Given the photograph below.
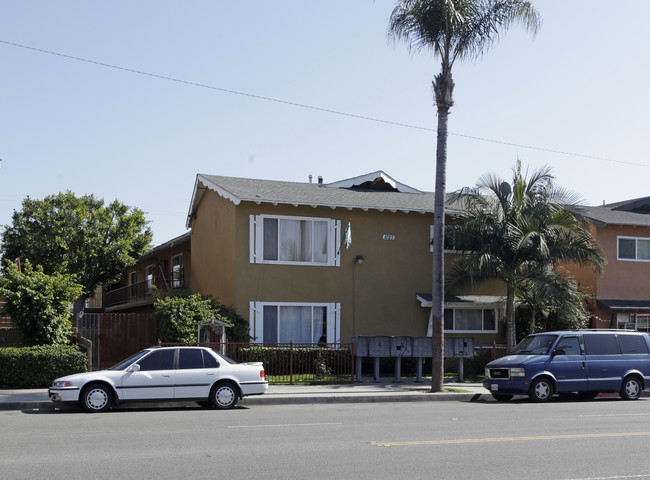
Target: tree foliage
x=452 y=30
x=521 y=233
x=39 y=304
x=180 y=314
x=77 y=235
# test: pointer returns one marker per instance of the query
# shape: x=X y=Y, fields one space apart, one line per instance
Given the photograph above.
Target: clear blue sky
x=580 y=86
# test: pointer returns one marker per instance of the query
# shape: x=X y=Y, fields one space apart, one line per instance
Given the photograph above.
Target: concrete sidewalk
x=359 y=392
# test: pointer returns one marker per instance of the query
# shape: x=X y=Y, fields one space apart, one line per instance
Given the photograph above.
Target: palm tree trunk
x=438 y=286
x=511 y=333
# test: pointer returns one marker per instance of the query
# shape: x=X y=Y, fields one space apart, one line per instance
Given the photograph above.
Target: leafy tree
x=77 y=235
x=180 y=314
x=39 y=304
x=521 y=233
x=452 y=30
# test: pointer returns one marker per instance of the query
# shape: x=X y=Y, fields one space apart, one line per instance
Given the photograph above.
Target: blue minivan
x=587 y=362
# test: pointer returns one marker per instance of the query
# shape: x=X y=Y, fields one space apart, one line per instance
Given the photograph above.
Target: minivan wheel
x=631 y=388
x=541 y=390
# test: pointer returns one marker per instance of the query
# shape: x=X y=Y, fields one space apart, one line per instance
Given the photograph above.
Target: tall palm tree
x=520 y=233
x=452 y=30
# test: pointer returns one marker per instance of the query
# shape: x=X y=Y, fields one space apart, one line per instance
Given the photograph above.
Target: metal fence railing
x=291 y=363
x=500 y=350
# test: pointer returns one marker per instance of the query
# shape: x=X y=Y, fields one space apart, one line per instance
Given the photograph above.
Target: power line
x=312 y=107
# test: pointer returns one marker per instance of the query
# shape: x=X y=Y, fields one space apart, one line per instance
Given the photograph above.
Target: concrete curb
x=271 y=400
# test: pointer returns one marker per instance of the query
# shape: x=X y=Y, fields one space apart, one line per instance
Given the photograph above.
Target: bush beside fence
x=36 y=367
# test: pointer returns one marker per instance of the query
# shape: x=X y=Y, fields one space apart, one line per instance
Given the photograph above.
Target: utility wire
x=312 y=107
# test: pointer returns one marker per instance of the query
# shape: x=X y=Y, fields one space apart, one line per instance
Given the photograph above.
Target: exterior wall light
x=360 y=259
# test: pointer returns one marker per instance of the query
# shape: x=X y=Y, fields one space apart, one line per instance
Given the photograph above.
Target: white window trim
x=635 y=259
x=256 y=319
x=482 y=308
x=256 y=238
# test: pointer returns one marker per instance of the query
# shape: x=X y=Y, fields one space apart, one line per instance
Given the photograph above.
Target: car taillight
x=261 y=373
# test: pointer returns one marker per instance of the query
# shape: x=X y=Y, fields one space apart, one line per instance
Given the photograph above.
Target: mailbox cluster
x=399 y=347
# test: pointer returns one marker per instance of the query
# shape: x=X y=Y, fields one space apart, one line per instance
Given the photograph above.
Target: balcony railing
x=141 y=291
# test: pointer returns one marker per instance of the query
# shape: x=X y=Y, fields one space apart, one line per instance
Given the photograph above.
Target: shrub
x=36 y=367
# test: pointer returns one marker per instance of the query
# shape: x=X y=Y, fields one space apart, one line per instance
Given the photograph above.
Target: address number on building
x=388 y=236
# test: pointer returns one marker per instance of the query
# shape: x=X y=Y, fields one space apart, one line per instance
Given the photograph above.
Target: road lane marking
x=617 y=477
x=286 y=425
x=509 y=439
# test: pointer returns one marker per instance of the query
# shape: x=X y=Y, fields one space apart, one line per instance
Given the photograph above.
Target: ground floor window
x=633 y=321
x=295 y=322
x=475 y=320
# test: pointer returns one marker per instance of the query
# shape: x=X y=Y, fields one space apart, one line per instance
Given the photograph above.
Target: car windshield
x=128 y=361
x=534 y=345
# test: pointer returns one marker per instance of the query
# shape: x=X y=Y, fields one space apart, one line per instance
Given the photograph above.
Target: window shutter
x=335 y=241
x=334 y=323
x=256 y=238
x=431 y=238
x=256 y=323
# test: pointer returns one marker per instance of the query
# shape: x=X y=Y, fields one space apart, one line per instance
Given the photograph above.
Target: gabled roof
x=357 y=192
x=617 y=214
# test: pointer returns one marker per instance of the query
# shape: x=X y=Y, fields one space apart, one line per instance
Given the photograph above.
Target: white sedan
x=164 y=374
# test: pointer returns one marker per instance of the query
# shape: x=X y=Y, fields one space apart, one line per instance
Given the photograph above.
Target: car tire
x=631 y=388
x=224 y=395
x=501 y=397
x=96 y=398
x=541 y=390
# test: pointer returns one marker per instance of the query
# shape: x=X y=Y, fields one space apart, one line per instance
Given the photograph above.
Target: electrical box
x=360 y=345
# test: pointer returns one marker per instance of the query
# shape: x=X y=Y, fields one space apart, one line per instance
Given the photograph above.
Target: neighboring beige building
x=277 y=252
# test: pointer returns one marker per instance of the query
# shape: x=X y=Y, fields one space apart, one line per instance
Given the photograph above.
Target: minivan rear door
x=568 y=365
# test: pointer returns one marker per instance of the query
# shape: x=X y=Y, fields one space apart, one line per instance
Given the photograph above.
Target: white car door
x=195 y=374
x=154 y=379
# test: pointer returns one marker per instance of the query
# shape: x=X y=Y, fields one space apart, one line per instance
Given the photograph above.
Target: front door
x=154 y=380
x=568 y=365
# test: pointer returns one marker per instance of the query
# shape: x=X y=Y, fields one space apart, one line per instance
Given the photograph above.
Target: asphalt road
x=564 y=440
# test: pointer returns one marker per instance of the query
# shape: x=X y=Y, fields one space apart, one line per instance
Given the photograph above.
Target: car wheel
x=541 y=390
x=501 y=397
x=96 y=398
x=631 y=388
x=224 y=395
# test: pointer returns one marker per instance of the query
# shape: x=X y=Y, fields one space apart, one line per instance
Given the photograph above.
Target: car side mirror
x=559 y=351
x=134 y=368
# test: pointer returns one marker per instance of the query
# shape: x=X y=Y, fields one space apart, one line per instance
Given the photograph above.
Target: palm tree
x=453 y=30
x=521 y=233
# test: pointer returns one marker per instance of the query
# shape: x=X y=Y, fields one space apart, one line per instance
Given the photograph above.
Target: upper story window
x=150 y=269
x=177 y=271
x=634 y=249
x=295 y=240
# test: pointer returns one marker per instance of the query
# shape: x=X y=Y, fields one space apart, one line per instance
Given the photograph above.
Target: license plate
x=494 y=387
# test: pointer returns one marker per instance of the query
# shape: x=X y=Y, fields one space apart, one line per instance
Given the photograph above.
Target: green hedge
x=36 y=367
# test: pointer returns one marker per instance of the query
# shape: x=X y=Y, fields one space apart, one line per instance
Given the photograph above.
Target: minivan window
x=568 y=345
x=534 y=345
x=632 y=344
x=600 y=344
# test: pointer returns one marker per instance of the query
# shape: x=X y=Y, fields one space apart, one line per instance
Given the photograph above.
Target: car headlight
x=517 y=372
x=487 y=372
x=62 y=384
